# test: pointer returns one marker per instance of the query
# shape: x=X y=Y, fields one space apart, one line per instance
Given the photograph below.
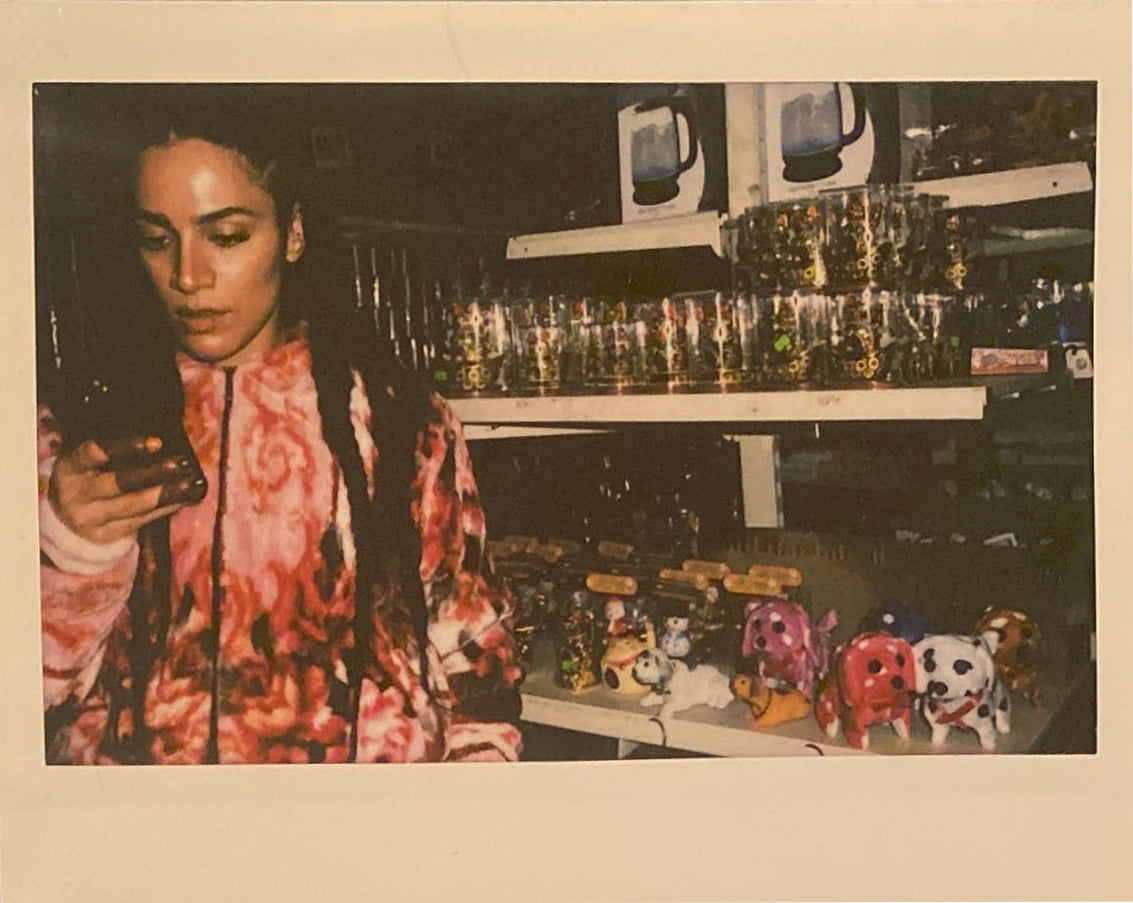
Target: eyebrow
x=204 y=219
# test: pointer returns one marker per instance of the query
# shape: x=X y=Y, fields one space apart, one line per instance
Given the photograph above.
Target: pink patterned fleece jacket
x=272 y=539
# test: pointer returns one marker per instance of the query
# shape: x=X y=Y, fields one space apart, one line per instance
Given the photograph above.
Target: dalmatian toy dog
x=676 y=687
x=791 y=653
x=871 y=682
x=960 y=688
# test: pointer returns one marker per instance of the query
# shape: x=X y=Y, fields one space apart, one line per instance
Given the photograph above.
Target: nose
x=192 y=270
x=761 y=642
x=936 y=688
x=898 y=682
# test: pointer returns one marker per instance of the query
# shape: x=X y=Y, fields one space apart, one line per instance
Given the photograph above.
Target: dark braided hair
x=343 y=341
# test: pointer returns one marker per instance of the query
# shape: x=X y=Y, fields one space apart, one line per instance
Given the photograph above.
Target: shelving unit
x=724 y=732
x=1011 y=186
x=869 y=402
x=748 y=418
x=695 y=230
x=490 y=418
x=703 y=229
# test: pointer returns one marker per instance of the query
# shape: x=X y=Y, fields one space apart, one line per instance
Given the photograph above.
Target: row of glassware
x=705 y=339
x=879 y=236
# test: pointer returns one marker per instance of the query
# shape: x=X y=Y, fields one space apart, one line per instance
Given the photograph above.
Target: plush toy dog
x=956 y=675
x=897 y=618
x=676 y=687
x=768 y=707
x=871 y=681
x=1019 y=651
x=791 y=654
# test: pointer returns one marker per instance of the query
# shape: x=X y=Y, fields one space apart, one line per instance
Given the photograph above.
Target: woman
x=318 y=591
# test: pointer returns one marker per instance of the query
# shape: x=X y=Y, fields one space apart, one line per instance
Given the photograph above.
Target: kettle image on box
x=811 y=129
x=671 y=155
x=656 y=158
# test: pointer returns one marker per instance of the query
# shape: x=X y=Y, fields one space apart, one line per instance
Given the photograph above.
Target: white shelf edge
x=1001 y=246
x=692 y=736
x=869 y=403
x=478 y=431
x=692 y=230
x=1011 y=186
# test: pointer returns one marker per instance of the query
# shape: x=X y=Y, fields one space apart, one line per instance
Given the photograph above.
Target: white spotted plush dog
x=676 y=687
x=959 y=686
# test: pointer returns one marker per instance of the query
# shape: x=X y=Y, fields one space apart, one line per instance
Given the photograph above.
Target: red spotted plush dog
x=872 y=681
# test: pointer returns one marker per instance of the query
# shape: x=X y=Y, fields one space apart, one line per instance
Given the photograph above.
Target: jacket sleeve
x=84 y=587
x=470 y=610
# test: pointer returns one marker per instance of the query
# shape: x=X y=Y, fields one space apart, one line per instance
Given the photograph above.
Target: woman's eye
x=154 y=242
x=229 y=239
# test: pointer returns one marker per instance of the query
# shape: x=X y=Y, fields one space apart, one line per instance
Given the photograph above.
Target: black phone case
x=125 y=408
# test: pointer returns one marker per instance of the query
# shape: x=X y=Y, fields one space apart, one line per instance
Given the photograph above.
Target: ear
x=296 y=242
x=991 y=637
x=827 y=622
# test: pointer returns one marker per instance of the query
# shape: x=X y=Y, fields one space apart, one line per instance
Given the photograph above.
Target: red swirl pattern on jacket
x=287 y=609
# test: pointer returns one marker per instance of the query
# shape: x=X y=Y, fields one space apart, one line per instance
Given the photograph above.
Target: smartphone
x=114 y=413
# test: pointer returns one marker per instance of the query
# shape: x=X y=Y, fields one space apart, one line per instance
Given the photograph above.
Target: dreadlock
x=342 y=343
x=386 y=539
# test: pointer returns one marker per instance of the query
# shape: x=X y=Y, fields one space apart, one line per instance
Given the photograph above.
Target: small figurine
x=617 y=664
x=768 y=707
x=615 y=610
x=675 y=641
x=871 y=681
x=789 y=651
x=896 y=618
x=1019 y=652
x=956 y=675
x=676 y=687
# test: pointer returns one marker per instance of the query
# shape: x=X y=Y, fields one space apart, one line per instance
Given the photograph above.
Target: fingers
x=131 y=505
x=136 y=523
x=120 y=529
x=92 y=455
x=108 y=520
x=144 y=476
x=88 y=456
x=132 y=447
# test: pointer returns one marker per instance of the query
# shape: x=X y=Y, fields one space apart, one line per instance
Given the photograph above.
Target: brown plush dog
x=1017 y=656
x=769 y=707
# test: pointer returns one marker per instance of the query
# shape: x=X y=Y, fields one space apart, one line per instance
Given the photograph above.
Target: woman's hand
x=106 y=492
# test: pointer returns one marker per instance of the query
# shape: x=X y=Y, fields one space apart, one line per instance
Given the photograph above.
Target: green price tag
x=440 y=375
x=782 y=343
x=955 y=341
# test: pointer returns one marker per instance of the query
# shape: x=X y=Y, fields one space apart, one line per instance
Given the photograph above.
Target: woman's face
x=211 y=242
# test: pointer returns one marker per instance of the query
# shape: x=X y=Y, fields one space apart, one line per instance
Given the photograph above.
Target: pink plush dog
x=791 y=653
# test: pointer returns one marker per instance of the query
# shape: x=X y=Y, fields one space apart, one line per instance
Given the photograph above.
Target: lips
x=201 y=322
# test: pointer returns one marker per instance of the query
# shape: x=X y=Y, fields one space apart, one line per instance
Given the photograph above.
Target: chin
x=209 y=349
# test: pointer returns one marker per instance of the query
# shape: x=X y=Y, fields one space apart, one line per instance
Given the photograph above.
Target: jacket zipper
x=212 y=755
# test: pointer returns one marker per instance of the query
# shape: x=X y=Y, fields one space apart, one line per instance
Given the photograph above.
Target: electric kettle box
x=672 y=150
x=793 y=140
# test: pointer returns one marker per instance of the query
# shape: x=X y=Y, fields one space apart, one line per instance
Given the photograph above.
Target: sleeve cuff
x=72 y=553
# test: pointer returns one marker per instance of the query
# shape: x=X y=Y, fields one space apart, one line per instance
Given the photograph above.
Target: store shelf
x=1030 y=241
x=690 y=231
x=871 y=402
x=724 y=732
x=478 y=431
x=1011 y=186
